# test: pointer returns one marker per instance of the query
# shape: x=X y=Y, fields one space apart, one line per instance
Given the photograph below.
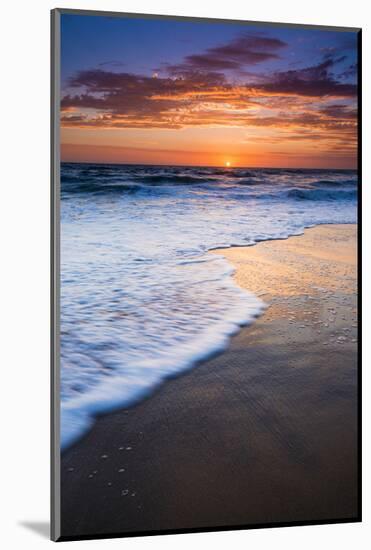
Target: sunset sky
x=196 y=93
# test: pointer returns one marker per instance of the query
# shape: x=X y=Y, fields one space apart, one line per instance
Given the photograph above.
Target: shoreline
x=212 y=428
x=86 y=422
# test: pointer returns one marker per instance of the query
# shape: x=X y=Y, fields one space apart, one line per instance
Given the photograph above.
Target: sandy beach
x=265 y=432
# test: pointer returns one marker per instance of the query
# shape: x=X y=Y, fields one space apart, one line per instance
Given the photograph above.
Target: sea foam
x=142 y=299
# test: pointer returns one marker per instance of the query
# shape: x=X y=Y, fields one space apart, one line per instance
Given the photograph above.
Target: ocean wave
x=125 y=387
x=98 y=188
x=322 y=194
x=142 y=300
x=335 y=183
x=175 y=179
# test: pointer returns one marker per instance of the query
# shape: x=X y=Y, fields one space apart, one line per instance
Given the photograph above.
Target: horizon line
x=226 y=168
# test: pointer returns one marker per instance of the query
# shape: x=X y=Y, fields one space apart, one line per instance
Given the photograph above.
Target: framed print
x=206 y=191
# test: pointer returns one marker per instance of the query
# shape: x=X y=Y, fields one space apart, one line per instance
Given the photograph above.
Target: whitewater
x=142 y=299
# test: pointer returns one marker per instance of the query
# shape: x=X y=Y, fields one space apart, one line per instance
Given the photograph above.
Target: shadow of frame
x=41 y=528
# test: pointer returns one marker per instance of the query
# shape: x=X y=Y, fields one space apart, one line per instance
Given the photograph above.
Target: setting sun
x=228 y=92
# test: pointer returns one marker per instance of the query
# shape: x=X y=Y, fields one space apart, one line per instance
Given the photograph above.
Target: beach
x=265 y=432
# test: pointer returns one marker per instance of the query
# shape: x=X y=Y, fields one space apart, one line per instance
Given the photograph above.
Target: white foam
x=142 y=300
x=128 y=384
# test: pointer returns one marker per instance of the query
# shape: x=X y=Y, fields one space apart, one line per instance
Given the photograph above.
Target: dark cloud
x=350 y=72
x=142 y=101
x=315 y=81
x=193 y=97
x=244 y=50
x=340 y=112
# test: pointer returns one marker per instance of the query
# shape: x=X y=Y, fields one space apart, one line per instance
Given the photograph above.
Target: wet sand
x=264 y=433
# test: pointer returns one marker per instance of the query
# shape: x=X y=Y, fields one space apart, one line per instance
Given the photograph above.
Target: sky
x=180 y=92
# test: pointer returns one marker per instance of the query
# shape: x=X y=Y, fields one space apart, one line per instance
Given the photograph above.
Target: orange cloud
x=306 y=107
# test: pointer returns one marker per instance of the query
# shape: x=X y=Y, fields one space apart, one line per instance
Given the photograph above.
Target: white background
x=24 y=300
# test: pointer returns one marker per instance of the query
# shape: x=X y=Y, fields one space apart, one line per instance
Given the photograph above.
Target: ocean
x=142 y=299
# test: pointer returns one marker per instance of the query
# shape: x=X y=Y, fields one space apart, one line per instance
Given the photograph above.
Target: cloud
x=125 y=99
x=340 y=112
x=313 y=101
x=350 y=72
x=314 y=81
x=72 y=119
x=237 y=54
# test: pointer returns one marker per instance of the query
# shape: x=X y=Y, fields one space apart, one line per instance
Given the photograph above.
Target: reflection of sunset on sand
x=309 y=283
x=325 y=258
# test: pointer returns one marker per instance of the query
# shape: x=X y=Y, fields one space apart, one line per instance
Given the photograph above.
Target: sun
x=227 y=163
